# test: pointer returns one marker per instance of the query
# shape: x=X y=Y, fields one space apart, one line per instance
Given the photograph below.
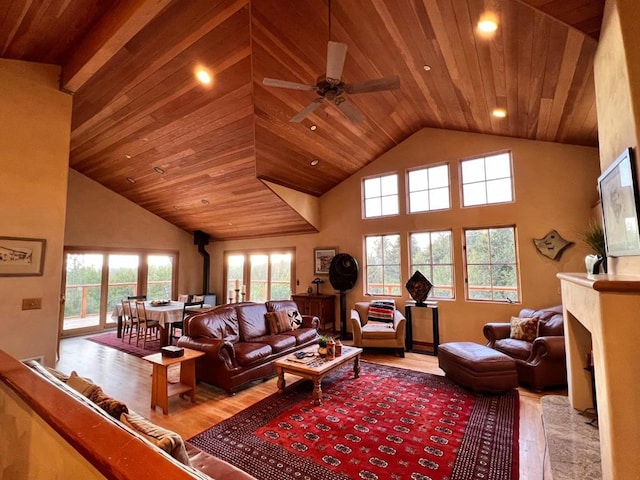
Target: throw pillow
x=295 y=319
x=162 y=438
x=524 y=328
x=113 y=407
x=81 y=385
x=278 y=322
x=381 y=311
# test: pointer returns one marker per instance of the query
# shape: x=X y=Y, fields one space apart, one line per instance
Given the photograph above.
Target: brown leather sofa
x=238 y=343
x=541 y=363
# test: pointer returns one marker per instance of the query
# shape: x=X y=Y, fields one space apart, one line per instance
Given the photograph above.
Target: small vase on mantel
x=595 y=264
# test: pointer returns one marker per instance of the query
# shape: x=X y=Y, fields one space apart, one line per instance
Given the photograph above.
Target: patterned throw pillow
x=524 y=328
x=295 y=319
x=278 y=322
x=113 y=407
x=381 y=311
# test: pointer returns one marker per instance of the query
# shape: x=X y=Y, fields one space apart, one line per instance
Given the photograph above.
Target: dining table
x=164 y=313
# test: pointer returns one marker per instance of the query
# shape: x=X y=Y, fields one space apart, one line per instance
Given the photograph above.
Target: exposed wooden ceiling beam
x=109 y=35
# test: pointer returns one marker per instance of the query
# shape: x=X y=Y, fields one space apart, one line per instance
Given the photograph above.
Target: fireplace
x=602 y=312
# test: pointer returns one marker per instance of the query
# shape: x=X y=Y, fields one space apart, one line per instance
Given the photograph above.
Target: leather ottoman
x=479 y=368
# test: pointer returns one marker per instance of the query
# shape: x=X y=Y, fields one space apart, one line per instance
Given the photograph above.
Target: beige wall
x=35 y=118
x=617 y=79
x=98 y=217
x=555 y=188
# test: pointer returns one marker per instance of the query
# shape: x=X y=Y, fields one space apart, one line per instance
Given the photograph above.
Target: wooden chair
x=186 y=310
x=129 y=319
x=183 y=298
x=146 y=327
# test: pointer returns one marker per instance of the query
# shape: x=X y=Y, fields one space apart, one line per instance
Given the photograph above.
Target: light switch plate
x=31 y=303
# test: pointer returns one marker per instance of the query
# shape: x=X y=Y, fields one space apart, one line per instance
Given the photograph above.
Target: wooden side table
x=161 y=389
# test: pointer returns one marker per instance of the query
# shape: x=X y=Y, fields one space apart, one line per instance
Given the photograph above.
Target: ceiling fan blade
x=306 y=111
x=272 y=82
x=349 y=109
x=376 y=85
x=336 y=55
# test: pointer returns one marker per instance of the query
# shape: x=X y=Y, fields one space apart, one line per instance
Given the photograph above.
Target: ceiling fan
x=332 y=88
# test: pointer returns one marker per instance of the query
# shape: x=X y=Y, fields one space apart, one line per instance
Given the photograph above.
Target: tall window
x=383 y=265
x=431 y=254
x=380 y=196
x=487 y=180
x=429 y=189
x=492 y=269
x=259 y=276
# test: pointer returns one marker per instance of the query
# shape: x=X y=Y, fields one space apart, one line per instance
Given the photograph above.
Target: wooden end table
x=161 y=389
x=317 y=369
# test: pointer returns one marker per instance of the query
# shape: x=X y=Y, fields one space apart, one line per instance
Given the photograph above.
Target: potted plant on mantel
x=594 y=237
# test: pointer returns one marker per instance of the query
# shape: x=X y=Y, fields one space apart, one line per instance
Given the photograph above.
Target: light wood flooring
x=128 y=379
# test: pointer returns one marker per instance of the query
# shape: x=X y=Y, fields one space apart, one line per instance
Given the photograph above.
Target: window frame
x=428 y=189
x=366 y=266
x=484 y=157
x=364 y=198
x=429 y=275
x=246 y=269
x=516 y=265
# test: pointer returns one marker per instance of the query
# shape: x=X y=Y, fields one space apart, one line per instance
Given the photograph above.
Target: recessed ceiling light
x=176 y=207
x=314 y=162
x=487 y=25
x=230 y=224
x=203 y=76
x=159 y=170
x=205 y=201
x=499 y=112
x=127 y=156
x=131 y=180
x=313 y=128
x=426 y=67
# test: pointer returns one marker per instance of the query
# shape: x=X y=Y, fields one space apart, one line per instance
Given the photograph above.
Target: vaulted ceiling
x=196 y=155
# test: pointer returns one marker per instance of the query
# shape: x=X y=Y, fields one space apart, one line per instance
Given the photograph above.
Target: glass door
x=82 y=292
x=122 y=282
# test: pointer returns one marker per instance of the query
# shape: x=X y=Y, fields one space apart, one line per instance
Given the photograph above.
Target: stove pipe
x=201 y=239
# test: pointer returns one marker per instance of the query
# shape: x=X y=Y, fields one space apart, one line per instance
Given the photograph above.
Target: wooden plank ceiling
x=195 y=155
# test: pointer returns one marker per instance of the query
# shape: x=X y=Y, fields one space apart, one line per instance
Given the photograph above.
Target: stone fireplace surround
x=602 y=314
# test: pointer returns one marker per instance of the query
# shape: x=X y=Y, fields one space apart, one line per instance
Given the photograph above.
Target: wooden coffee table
x=317 y=369
x=161 y=389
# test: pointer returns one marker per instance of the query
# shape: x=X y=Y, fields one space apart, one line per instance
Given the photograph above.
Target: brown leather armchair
x=377 y=334
x=541 y=363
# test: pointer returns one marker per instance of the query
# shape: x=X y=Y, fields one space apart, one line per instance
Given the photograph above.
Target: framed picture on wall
x=322 y=259
x=21 y=257
x=618 y=187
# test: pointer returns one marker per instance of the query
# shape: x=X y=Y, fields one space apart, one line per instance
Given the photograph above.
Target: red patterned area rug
x=390 y=423
x=111 y=339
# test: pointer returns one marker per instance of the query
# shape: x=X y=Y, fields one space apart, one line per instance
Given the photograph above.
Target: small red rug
x=390 y=423
x=111 y=339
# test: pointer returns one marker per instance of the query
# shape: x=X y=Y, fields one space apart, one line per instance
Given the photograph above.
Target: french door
x=95 y=281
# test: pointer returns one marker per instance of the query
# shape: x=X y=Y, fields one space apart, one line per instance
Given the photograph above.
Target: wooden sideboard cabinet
x=322 y=306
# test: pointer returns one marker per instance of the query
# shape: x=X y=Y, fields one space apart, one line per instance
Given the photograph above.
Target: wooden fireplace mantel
x=602 y=317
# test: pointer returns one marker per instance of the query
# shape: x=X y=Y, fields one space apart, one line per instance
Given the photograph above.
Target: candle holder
x=237 y=295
